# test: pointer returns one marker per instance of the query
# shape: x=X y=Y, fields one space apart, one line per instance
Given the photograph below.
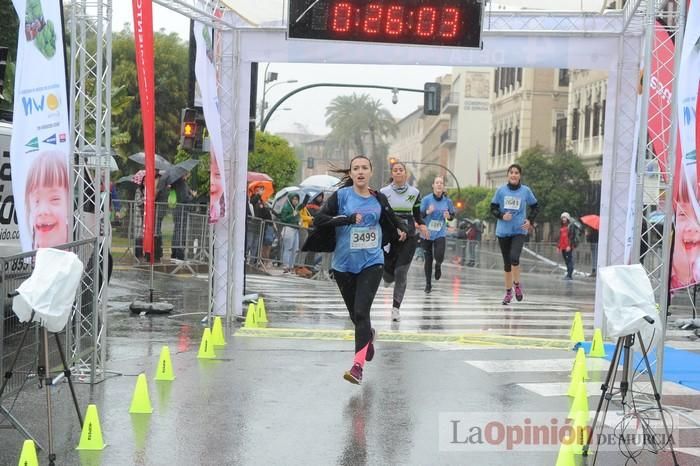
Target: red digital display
x=429 y=22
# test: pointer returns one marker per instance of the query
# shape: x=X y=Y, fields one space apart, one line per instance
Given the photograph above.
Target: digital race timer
x=424 y=22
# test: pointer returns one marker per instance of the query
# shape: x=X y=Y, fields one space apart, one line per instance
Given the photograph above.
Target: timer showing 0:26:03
x=429 y=22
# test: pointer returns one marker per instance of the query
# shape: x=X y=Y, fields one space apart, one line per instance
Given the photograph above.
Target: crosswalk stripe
x=548 y=389
x=536 y=365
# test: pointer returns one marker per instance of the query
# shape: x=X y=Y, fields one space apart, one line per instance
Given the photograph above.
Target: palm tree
x=354 y=117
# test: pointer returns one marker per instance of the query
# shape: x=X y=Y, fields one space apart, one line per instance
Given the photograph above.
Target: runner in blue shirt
x=356 y=223
x=436 y=209
x=509 y=206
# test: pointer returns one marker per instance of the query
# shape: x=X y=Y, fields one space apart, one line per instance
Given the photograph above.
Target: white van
x=9 y=231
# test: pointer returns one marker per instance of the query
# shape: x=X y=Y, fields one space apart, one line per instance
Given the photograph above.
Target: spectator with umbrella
x=176 y=177
x=593 y=224
x=137 y=217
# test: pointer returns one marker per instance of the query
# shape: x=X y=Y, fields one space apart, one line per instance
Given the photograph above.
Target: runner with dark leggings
x=509 y=206
x=357 y=222
x=436 y=209
x=405 y=201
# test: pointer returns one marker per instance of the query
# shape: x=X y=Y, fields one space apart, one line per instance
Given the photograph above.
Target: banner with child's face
x=205 y=73
x=40 y=147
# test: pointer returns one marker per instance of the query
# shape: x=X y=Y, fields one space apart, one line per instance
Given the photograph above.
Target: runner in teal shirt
x=359 y=221
x=436 y=209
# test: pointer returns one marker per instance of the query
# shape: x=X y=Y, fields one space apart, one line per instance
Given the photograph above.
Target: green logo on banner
x=33 y=144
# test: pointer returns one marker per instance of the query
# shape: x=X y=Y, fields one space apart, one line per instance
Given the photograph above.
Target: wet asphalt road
x=283 y=401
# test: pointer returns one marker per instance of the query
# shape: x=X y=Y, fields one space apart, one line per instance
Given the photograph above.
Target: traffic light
x=431 y=99
x=459 y=205
x=188 y=128
x=392 y=161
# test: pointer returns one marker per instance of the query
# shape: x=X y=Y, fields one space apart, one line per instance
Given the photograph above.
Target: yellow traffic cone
x=261 y=315
x=250 y=317
x=217 y=333
x=28 y=455
x=206 y=348
x=573 y=386
x=140 y=401
x=580 y=365
x=580 y=426
x=165 y=365
x=580 y=403
x=576 y=333
x=91 y=436
x=566 y=454
x=597 y=347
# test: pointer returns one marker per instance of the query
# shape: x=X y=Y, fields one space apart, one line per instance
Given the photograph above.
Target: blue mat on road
x=680 y=366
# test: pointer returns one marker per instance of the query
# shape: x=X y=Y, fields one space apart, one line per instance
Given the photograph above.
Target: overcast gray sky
x=308 y=107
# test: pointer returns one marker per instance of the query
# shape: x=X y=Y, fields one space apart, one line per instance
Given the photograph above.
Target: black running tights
x=433 y=249
x=358 y=290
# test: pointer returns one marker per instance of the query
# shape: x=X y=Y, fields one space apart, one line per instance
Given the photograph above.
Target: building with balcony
x=406 y=145
x=528 y=108
x=470 y=123
x=585 y=120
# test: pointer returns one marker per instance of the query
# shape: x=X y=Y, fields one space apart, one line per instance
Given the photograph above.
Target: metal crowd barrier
x=182 y=233
x=77 y=337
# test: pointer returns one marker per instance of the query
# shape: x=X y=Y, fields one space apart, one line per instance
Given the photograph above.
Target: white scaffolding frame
x=90 y=93
x=612 y=40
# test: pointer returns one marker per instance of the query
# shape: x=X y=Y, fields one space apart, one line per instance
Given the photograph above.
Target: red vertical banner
x=659 y=122
x=143 y=40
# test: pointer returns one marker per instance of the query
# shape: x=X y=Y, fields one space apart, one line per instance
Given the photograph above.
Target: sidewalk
x=283 y=401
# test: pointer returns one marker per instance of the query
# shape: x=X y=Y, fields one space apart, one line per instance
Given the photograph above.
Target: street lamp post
x=269 y=77
x=393 y=89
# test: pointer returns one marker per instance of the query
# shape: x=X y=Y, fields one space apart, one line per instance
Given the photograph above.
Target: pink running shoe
x=354 y=375
x=508 y=297
x=518 y=292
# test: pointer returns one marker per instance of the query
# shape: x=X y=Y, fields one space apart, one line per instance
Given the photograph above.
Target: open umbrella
x=268 y=190
x=175 y=172
x=91 y=161
x=256 y=176
x=125 y=179
x=188 y=164
x=172 y=174
x=323 y=181
x=161 y=162
x=592 y=221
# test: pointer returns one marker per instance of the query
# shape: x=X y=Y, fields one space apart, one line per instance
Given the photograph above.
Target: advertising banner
x=205 y=72
x=660 y=94
x=143 y=41
x=686 y=253
x=40 y=147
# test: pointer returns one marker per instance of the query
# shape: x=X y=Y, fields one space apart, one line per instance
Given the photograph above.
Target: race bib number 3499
x=364 y=238
x=511 y=203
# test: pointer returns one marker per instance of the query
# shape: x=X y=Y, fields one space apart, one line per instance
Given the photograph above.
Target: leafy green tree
x=471 y=196
x=9 y=26
x=425 y=182
x=356 y=118
x=171 y=78
x=560 y=182
x=482 y=210
x=274 y=156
